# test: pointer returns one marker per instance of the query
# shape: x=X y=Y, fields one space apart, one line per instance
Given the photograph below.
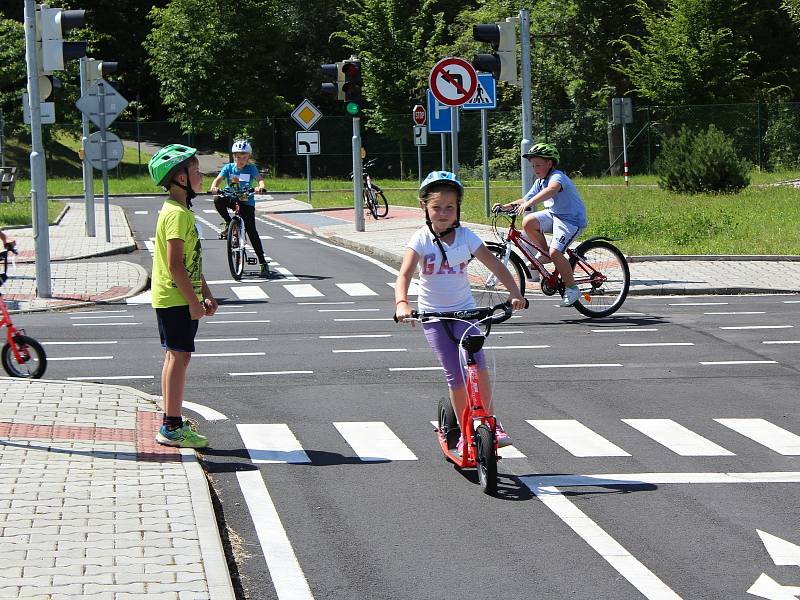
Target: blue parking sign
x=485 y=95
x=438 y=116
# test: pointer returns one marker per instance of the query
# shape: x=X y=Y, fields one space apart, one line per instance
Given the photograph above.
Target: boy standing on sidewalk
x=180 y=295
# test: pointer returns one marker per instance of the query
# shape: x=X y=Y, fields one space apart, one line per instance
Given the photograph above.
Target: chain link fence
x=768 y=136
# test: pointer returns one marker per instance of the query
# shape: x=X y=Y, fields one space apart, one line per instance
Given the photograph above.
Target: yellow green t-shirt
x=175 y=222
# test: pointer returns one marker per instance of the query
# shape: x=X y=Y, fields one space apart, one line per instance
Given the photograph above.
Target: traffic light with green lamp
x=352 y=87
x=51 y=25
x=333 y=71
x=502 y=63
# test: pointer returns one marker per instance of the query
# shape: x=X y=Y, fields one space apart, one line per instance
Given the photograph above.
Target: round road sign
x=419 y=115
x=453 y=81
x=94 y=150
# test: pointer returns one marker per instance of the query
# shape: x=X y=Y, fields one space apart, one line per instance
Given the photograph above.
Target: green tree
x=12 y=69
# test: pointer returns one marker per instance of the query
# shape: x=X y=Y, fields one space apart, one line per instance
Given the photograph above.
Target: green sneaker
x=183 y=437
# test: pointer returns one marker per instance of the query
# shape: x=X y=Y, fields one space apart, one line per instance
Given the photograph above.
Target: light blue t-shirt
x=247 y=177
x=566 y=204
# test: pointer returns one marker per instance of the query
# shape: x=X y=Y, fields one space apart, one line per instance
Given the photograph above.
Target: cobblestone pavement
x=90 y=505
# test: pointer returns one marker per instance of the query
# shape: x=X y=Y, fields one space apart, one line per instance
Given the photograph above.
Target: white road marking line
x=287 y=274
x=51 y=358
x=272 y=443
x=303 y=290
x=507 y=332
x=143 y=298
x=209 y=414
x=287 y=576
x=782 y=552
x=249 y=292
x=416 y=369
x=95 y=312
x=656 y=344
x=324 y=303
x=102 y=324
x=604 y=479
x=85 y=343
x=209 y=211
x=576 y=438
x=110 y=377
x=347 y=337
x=265 y=237
x=140 y=212
x=327 y=310
x=622 y=329
x=356 y=289
x=374 y=261
x=759 y=327
x=232 y=281
x=515 y=347
x=105 y=317
x=791 y=301
x=231 y=339
x=369 y=350
x=767 y=434
x=373 y=441
x=612 y=551
x=578 y=366
x=781 y=342
x=742 y=312
x=222 y=313
x=295 y=236
x=697 y=303
x=740 y=362
x=211 y=355
x=218 y=322
x=364 y=319
x=254 y=373
x=676 y=437
x=151 y=246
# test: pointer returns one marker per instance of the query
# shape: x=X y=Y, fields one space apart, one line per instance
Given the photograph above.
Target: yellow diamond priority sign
x=306 y=114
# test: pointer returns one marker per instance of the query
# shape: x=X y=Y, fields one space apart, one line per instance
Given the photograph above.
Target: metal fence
x=766 y=135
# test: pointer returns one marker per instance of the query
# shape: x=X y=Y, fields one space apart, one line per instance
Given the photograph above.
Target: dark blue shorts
x=176 y=328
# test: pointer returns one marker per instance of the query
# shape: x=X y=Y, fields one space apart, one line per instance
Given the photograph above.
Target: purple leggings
x=447 y=350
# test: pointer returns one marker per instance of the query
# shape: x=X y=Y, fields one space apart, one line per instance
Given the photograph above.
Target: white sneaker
x=571 y=295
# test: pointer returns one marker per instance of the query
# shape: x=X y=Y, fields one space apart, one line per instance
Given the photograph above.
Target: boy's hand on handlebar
x=214 y=189
x=260 y=189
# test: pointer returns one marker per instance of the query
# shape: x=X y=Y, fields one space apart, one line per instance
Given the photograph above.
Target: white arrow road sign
x=781 y=551
x=420 y=135
x=766 y=587
x=307 y=142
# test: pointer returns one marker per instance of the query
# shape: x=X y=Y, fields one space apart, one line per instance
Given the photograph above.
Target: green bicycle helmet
x=167 y=160
x=543 y=150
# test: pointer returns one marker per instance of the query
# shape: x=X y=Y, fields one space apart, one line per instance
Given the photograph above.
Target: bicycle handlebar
x=229 y=192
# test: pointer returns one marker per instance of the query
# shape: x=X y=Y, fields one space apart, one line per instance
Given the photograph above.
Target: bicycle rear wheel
x=603 y=277
x=486 y=459
x=486 y=288
x=381 y=205
x=235 y=246
x=369 y=202
x=33 y=360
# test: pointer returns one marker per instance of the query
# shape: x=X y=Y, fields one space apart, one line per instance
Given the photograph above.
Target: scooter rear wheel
x=448 y=424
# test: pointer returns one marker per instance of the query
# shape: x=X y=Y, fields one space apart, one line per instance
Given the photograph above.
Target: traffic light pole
x=88 y=173
x=358 y=176
x=38 y=176
x=454 y=139
x=485 y=156
x=527 y=130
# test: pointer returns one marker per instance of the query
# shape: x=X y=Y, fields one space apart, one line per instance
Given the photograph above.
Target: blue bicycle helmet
x=441 y=178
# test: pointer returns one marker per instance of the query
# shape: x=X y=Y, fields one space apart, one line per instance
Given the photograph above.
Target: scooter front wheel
x=486 y=459
x=32 y=362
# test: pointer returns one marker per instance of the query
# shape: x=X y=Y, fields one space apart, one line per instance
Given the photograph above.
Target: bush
x=782 y=138
x=701 y=162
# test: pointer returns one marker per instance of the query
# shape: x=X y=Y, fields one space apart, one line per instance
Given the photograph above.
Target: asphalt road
x=686 y=407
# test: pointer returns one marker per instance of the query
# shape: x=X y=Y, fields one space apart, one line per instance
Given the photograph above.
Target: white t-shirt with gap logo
x=444 y=286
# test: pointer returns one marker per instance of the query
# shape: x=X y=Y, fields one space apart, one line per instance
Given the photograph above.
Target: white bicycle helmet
x=241 y=146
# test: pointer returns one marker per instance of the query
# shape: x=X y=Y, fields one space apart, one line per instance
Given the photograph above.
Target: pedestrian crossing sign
x=485 y=96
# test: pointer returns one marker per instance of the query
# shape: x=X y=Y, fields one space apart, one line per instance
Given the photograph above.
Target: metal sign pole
x=419 y=163
x=625 y=154
x=308 y=175
x=104 y=157
x=527 y=129
x=454 y=139
x=358 y=192
x=41 y=235
x=444 y=151
x=485 y=156
x=2 y=141
x=88 y=171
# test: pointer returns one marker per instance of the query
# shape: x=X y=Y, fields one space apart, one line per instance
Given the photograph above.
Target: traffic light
x=48 y=84
x=502 y=63
x=333 y=71
x=97 y=69
x=352 y=87
x=51 y=25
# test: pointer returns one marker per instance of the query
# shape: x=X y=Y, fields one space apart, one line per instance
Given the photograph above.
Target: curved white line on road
x=209 y=414
x=374 y=261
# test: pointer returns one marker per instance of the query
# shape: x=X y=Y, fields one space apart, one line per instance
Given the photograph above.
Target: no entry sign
x=453 y=81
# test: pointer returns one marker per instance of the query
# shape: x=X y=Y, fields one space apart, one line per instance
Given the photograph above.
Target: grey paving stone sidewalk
x=91 y=506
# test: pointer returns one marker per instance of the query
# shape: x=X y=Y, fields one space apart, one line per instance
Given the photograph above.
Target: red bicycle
x=478 y=435
x=22 y=356
x=600 y=269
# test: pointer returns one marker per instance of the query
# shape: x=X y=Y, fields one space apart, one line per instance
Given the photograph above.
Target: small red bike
x=22 y=356
x=478 y=436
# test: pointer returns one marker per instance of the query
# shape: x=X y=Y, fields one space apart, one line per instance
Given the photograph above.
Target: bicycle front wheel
x=603 y=277
x=32 y=361
x=381 y=205
x=486 y=288
x=369 y=202
x=235 y=245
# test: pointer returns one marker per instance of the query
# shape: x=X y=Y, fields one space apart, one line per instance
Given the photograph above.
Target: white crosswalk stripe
x=374 y=441
x=356 y=289
x=303 y=290
x=249 y=292
x=272 y=443
x=767 y=434
x=676 y=437
x=576 y=438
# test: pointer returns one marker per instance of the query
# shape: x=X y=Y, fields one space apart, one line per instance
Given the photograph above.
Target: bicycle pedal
x=251 y=260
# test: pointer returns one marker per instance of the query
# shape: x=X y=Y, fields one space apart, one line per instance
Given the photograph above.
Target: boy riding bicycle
x=242 y=172
x=564 y=213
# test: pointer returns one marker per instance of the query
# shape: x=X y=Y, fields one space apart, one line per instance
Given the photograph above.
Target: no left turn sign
x=453 y=81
